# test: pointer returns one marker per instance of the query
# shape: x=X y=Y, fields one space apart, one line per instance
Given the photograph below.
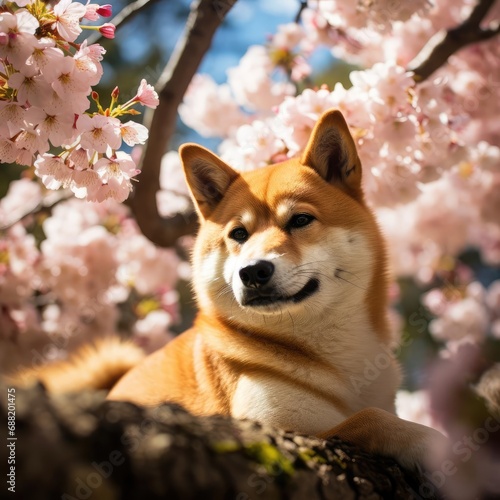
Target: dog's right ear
x=331 y=151
x=207 y=176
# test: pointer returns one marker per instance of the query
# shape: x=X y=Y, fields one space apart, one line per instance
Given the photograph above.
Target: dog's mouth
x=255 y=297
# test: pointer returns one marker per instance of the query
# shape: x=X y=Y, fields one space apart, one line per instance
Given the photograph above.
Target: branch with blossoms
x=46 y=79
x=445 y=43
x=124 y=16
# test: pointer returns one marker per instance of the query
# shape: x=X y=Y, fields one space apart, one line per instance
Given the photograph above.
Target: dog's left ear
x=207 y=176
x=331 y=151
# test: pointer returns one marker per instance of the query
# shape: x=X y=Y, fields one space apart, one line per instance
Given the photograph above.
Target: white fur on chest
x=281 y=404
x=289 y=405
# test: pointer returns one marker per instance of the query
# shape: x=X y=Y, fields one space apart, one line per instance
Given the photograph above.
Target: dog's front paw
x=421 y=448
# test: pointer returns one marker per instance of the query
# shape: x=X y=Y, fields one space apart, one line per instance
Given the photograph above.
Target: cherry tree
x=423 y=107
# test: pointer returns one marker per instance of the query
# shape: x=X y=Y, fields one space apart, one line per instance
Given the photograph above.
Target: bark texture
x=81 y=446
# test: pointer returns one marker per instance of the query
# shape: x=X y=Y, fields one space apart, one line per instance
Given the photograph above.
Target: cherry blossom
x=19 y=41
x=68 y=15
x=53 y=171
x=173 y=196
x=133 y=133
x=22 y=198
x=99 y=132
x=45 y=101
x=251 y=81
x=210 y=109
x=94 y=11
x=146 y=95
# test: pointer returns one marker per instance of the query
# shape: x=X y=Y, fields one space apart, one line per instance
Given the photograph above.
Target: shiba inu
x=289 y=272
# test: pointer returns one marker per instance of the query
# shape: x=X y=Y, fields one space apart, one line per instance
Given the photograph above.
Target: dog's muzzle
x=259 y=290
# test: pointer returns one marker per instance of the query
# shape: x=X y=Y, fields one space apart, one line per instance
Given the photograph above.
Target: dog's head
x=295 y=237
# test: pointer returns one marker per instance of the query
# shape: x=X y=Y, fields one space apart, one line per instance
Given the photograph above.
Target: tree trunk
x=81 y=446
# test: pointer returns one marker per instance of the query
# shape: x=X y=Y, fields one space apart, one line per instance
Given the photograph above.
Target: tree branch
x=205 y=17
x=123 y=17
x=111 y=449
x=446 y=42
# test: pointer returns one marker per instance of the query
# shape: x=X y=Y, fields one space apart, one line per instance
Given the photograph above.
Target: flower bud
x=107 y=30
x=105 y=10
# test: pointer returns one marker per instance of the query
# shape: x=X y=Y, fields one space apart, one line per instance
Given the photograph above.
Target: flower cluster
x=464 y=313
x=46 y=79
x=93 y=273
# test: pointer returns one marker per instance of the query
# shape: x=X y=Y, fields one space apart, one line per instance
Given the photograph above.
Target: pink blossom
x=210 y=109
x=91 y=11
x=18 y=274
x=8 y=151
x=32 y=140
x=116 y=188
x=152 y=332
x=66 y=79
x=255 y=145
x=415 y=407
x=22 y=198
x=251 y=81
x=147 y=95
x=120 y=166
x=288 y=36
x=30 y=85
x=53 y=171
x=20 y=28
x=11 y=118
x=58 y=128
x=69 y=263
x=88 y=68
x=85 y=184
x=133 y=133
x=68 y=15
x=80 y=158
x=45 y=54
x=145 y=266
x=99 y=132
x=94 y=11
x=173 y=197
x=74 y=104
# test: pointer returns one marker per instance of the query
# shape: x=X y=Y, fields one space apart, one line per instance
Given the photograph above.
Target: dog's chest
x=281 y=403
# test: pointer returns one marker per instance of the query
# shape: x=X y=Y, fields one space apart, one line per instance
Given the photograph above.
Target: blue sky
x=249 y=22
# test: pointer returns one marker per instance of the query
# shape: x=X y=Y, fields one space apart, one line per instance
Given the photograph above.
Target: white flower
x=68 y=15
x=134 y=133
x=99 y=132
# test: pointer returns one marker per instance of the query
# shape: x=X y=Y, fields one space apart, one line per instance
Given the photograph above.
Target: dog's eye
x=300 y=220
x=239 y=234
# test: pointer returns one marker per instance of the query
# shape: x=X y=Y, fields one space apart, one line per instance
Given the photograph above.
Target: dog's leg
x=380 y=432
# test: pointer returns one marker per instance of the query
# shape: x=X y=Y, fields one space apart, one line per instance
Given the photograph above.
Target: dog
x=290 y=276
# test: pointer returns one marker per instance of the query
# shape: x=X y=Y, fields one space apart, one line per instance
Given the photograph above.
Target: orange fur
x=95 y=366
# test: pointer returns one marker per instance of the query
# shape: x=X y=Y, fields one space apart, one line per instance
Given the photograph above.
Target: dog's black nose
x=257 y=273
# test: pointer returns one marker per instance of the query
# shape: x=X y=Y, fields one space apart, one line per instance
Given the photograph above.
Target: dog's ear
x=331 y=151
x=207 y=176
